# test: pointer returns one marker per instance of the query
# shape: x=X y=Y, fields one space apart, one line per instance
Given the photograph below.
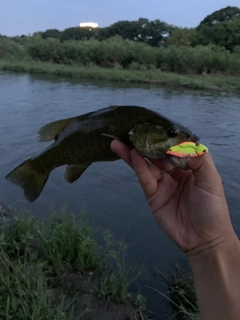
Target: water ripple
x=110 y=191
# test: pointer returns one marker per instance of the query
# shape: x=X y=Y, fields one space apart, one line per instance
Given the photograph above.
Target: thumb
x=205 y=173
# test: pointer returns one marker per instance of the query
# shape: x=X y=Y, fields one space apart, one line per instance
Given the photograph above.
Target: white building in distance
x=88 y=25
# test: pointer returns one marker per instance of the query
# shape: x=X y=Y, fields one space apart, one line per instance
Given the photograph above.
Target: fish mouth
x=189 y=137
x=188 y=134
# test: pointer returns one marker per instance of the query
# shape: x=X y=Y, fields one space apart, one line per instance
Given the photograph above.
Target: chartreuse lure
x=187 y=149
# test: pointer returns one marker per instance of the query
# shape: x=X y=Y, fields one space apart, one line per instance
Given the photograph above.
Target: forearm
x=216 y=272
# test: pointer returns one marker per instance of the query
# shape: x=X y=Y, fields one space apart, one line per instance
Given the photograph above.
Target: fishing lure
x=187 y=149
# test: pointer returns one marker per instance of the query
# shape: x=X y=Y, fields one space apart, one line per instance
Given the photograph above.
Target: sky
x=19 y=17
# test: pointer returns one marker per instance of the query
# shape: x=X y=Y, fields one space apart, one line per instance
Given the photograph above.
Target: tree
x=52 y=33
x=142 y=22
x=221 y=28
x=233 y=36
x=182 y=37
x=77 y=33
x=154 y=32
x=142 y=30
x=126 y=29
x=225 y=34
x=223 y=15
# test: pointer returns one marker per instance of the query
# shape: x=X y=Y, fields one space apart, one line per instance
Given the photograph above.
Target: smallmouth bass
x=85 y=139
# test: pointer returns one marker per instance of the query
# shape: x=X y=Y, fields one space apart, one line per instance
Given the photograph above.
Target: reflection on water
x=109 y=191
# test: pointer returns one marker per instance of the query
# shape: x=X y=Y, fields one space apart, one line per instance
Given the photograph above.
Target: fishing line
x=147 y=201
x=133 y=221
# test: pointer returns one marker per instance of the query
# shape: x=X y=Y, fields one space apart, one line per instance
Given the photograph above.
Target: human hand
x=190 y=206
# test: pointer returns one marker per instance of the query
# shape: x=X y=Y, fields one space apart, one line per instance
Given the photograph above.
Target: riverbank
x=153 y=77
x=56 y=270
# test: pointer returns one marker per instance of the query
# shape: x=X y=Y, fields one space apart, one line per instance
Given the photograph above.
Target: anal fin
x=72 y=173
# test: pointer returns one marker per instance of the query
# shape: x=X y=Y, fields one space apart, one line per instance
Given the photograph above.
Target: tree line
x=221 y=28
x=212 y=47
x=118 y=53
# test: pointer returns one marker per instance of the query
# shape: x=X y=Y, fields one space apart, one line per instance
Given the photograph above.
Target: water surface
x=109 y=191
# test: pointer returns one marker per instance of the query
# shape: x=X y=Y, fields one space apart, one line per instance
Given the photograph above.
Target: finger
x=122 y=151
x=157 y=163
x=145 y=175
x=168 y=167
x=156 y=171
x=167 y=186
x=205 y=172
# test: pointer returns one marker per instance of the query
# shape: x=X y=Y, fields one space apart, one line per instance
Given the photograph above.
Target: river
x=109 y=191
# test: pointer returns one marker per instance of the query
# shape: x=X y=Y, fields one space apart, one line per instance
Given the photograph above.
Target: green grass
x=153 y=76
x=183 y=295
x=55 y=269
x=48 y=270
x=116 y=277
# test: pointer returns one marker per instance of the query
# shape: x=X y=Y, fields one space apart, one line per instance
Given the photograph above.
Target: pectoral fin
x=52 y=130
x=72 y=173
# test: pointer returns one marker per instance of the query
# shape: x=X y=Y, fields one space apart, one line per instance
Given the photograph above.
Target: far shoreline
x=217 y=83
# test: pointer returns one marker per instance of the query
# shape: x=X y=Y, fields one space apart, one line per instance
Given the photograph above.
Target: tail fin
x=29 y=178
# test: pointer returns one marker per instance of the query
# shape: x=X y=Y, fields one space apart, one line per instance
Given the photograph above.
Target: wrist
x=215 y=268
x=216 y=249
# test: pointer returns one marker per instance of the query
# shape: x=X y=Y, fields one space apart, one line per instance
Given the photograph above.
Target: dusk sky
x=19 y=17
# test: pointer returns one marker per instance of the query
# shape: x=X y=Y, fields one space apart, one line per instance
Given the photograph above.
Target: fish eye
x=172 y=132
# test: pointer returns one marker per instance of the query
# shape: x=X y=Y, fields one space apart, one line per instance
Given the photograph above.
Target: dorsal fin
x=52 y=130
